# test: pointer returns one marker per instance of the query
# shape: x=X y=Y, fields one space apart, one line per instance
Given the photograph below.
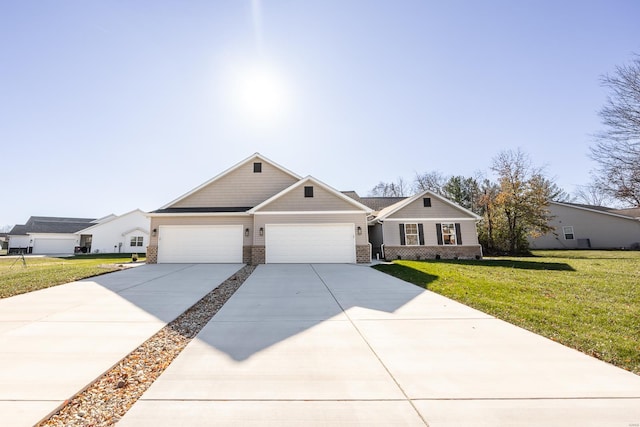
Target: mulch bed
x=108 y=398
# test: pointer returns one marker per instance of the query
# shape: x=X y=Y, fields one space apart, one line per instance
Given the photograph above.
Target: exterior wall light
x=261 y=231
x=246 y=232
x=155 y=231
x=359 y=231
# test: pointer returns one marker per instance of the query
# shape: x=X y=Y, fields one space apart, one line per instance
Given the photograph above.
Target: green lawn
x=588 y=300
x=44 y=272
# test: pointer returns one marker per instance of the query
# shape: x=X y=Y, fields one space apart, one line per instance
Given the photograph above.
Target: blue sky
x=108 y=106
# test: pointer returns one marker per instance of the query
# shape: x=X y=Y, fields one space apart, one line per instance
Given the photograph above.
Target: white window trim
x=134 y=240
x=454 y=233
x=406 y=235
x=565 y=229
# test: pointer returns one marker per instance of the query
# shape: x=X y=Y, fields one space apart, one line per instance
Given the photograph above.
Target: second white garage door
x=200 y=243
x=310 y=243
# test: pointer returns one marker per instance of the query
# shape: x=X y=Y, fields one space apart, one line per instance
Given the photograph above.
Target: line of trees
x=513 y=207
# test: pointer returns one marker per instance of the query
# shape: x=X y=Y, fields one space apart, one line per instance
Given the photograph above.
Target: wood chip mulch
x=107 y=399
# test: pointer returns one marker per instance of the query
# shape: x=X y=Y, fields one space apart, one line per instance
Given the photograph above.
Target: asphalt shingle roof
x=49 y=224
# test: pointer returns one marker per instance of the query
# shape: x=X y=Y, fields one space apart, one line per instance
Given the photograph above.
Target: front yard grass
x=43 y=272
x=588 y=300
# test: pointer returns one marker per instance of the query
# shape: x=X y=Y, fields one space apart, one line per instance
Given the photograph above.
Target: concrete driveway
x=56 y=341
x=322 y=345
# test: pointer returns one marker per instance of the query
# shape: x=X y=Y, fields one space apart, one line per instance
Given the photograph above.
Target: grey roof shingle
x=49 y=224
x=375 y=203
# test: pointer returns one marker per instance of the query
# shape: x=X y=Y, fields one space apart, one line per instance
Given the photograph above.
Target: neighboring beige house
x=260 y=212
x=424 y=226
x=590 y=227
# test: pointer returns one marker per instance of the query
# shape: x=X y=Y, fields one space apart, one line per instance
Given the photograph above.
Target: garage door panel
x=54 y=246
x=310 y=243
x=200 y=244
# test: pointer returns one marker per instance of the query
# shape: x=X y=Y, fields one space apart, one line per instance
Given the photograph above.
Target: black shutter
x=421 y=234
x=402 y=238
x=439 y=233
x=458 y=234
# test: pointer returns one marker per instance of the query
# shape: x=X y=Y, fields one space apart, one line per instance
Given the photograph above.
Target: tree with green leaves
x=462 y=190
x=520 y=206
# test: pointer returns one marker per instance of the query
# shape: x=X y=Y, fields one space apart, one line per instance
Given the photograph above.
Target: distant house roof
x=632 y=212
x=622 y=213
x=48 y=224
x=375 y=203
x=592 y=207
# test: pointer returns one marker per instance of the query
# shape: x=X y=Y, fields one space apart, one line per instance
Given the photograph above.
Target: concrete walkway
x=327 y=345
x=56 y=341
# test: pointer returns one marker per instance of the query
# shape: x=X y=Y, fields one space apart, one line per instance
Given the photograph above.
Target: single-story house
x=424 y=226
x=47 y=235
x=578 y=226
x=260 y=212
x=128 y=233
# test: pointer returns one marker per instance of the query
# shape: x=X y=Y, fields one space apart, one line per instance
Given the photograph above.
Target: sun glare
x=260 y=94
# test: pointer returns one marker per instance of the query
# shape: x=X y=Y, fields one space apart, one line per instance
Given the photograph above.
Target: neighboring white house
x=47 y=235
x=127 y=233
x=589 y=227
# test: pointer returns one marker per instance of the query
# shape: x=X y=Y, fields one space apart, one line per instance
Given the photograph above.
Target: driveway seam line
x=155 y=278
x=370 y=348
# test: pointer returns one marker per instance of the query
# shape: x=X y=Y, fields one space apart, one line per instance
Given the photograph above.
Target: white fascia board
x=168 y=215
x=315 y=181
x=309 y=213
x=425 y=219
x=594 y=211
x=228 y=171
x=135 y=229
x=410 y=200
x=109 y=219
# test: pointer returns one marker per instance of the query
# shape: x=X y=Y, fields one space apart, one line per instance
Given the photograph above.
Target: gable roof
x=107 y=219
x=310 y=179
x=48 y=224
x=596 y=209
x=390 y=210
x=253 y=157
x=375 y=203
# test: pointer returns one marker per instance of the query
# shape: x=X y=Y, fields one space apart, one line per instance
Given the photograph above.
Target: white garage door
x=308 y=243
x=54 y=246
x=199 y=243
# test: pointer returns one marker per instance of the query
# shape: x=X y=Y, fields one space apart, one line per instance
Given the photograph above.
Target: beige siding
x=322 y=200
x=246 y=222
x=391 y=232
x=603 y=231
x=438 y=209
x=359 y=220
x=240 y=188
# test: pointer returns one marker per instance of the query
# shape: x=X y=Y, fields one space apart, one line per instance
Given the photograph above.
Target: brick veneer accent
x=246 y=254
x=258 y=255
x=363 y=254
x=152 y=254
x=430 y=252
